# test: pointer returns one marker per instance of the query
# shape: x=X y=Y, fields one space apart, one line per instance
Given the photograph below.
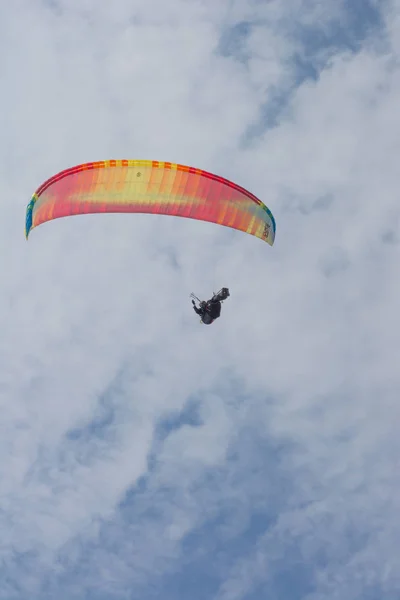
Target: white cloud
x=285 y=483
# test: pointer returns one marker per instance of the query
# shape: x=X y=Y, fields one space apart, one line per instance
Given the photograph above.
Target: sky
x=144 y=456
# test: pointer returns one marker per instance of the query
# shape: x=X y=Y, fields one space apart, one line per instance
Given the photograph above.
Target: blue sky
x=142 y=455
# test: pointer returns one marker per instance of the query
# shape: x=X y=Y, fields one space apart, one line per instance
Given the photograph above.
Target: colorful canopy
x=143 y=186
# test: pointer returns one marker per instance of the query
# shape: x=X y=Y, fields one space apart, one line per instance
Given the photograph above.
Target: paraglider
x=211 y=309
x=153 y=187
x=143 y=186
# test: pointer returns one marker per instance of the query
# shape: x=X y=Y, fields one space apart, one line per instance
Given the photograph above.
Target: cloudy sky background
x=142 y=455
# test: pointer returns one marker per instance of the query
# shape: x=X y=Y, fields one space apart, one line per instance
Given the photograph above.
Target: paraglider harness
x=210 y=310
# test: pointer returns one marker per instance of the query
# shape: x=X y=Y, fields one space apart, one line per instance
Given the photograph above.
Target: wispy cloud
x=144 y=455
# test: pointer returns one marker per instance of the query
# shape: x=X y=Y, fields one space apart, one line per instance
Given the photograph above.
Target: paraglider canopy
x=143 y=186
